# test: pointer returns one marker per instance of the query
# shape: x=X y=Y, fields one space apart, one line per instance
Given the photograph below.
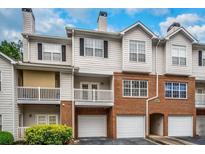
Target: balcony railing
x=92 y=95
x=21 y=132
x=38 y=94
x=200 y=99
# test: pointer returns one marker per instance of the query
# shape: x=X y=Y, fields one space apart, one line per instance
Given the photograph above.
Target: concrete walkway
x=164 y=140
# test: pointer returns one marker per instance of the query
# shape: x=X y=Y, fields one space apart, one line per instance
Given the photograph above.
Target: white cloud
x=184 y=19
x=133 y=11
x=198 y=31
x=155 y=12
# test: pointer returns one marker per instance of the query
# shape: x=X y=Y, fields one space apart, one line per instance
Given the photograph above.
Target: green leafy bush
x=6 y=138
x=48 y=134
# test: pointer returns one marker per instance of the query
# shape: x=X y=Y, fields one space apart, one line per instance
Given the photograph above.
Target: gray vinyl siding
x=104 y=82
x=197 y=71
x=160 y=60
x=139 y=35
x=178 y=39
x=34 y=54
x=66 y=86
x=6 y=95
x=99 y=65
x=28 y=23
x=30 y=112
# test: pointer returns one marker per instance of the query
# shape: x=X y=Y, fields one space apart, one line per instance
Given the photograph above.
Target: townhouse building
x=123 y=84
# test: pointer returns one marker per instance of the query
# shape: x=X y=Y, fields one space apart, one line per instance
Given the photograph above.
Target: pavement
x=200 y=140
x=107 y=141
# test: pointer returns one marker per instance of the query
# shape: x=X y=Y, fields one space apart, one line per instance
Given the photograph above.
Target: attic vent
x=175 y=24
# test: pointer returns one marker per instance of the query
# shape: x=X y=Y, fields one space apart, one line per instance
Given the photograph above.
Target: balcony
x=92 y=97
x=200 y=100
x=38 y=95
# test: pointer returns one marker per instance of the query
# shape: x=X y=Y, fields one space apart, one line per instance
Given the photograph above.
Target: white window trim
x=89 y=84
x=172 y=90
x=131 y=89
x=137 y=52
x=177 y=45
x=47 y=118
x=52 y=115
x=93 y=39
x=43 y=51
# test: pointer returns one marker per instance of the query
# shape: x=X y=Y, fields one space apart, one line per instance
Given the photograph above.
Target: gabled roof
x=138 y=23
x=7 y=58
x=185 y=32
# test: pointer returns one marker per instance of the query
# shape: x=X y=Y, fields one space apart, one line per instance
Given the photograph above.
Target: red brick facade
x=136 y=106
x=166 y=107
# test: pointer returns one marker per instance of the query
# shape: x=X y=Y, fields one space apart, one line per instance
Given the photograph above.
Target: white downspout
x=73 y=103
x=152 y=98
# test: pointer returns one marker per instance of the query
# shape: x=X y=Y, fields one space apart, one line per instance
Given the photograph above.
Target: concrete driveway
x=200 y=140
x=107 y=141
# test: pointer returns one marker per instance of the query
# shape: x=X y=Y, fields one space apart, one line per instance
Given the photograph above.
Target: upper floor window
x=201 y=59
x=52 y=52
x=179 y=55
x=137 y=51
x=135 y=88
x=175 y=90
x=94 y=47
x=0 y=80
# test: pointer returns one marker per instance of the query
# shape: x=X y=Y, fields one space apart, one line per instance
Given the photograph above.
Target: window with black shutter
x=63 y=52
x=105 y=49
x=39 y=51
x=81 y=46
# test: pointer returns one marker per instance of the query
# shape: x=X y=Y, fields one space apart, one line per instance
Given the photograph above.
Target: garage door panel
x=200 y=125
x=92 y=126
x=130 y=126
x=180 y=126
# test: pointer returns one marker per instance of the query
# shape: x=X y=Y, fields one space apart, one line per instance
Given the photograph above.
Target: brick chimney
x=102 y=21
x=28 y=21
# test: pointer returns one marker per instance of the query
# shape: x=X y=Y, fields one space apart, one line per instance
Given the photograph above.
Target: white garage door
x=180 y=126
x=200 y=125
x=92 y=126
x=130 y=126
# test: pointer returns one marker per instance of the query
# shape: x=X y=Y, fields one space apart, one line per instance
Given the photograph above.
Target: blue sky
x=53 y=21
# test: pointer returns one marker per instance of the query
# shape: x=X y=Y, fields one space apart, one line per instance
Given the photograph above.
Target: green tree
x=11 y=49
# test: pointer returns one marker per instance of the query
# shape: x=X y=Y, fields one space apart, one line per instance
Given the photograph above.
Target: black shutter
x=105 y=49
x=39 y=51
x=81 y=46
x=200 y=58
x=63 y=48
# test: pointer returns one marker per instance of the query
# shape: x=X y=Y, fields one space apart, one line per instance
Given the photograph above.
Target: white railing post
x=39 y=93
x=93 y=91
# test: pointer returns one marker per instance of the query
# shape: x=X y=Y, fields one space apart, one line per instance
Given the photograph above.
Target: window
x=203 y=58
x=52 y=119
x=135 y=88
x=94 y=47
x=1 y=123
x=51 y=52
x=179 y=55
x=137 y=51
x=175 y=90
x=43 y=119
x=0 y=80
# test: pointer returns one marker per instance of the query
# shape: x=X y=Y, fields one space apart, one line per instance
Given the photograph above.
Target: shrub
x=6 y=138
x=48 y=134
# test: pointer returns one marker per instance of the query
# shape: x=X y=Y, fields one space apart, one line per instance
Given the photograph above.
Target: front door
x=89 y=90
